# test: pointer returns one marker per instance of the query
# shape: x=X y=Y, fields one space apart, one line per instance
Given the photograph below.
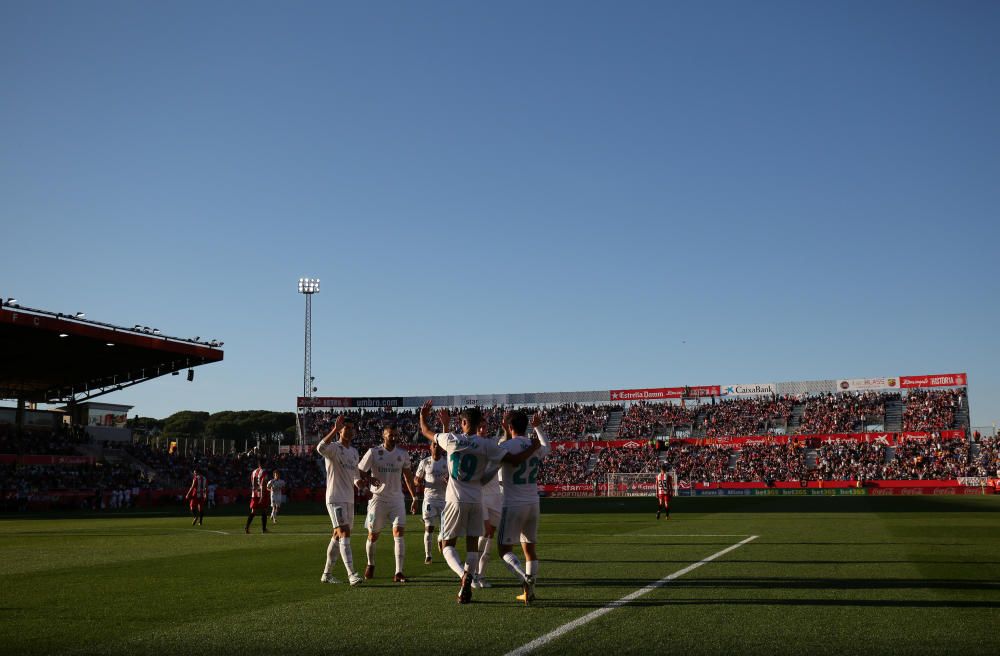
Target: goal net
x=636 y=485
x=631 y=485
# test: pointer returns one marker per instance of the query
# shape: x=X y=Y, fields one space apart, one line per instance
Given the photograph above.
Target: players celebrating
x=666 y=482
x=258 y=502
x=277 y=488
x=492 y=507
x=468 y=459
x=341 y=460
x=520 y=498
x=432 y=476
x=387 y=504
x=198 y=494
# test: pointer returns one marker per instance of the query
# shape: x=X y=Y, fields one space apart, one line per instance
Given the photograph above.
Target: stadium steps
x=894 y=415
x=610 y=431
x=733 y=459
x=811 y=458
x=962 y=416
x=796 y=419
x=698 y=430
x=890 y=455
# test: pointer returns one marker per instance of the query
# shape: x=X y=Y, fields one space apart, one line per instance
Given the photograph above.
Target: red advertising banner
x=655 y=393
x=933 y=380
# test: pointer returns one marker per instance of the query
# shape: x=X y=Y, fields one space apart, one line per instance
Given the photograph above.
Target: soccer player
x=198 y=494
x=432 y=476
x=468 y=459
x=277 y=488
x=520 y=499
x=665 y=483
x=258 y=504
x=387 y=505
x=341 y=461
x=492 y=508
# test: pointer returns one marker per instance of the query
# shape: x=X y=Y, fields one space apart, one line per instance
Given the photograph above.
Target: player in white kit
x=492 y=508
x=431 y=475
x=388 y=465
x=341 y=461
x=277 y=488
x=520 y=500
x=468 y=459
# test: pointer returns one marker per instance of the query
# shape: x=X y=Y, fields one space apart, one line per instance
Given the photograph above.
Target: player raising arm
x=520 y=500
x=468 y=458
x=387 y=504
x=341 y=461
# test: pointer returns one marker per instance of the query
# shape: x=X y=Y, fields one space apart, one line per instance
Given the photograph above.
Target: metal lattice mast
x=308 y=287
x=307 y=363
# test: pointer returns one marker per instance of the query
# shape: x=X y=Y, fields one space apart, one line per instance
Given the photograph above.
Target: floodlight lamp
x=308 y=285
x=80 y=315
x=11 y=301
x=156 y=331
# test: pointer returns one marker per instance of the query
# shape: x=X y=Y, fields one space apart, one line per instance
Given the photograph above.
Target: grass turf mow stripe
x=589 y=617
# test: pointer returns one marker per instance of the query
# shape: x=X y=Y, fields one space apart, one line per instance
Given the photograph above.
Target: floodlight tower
x=308 y=286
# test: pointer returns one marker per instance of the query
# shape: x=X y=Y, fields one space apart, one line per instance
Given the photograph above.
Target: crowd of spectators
x=565 y=467
x=918 y=460
x=708 y=463
x=845 y=412
x=987 y=460
x=842 y=461
x=931 y=410
x=573 y=420
x=644 y=420
x=643 y=460
x=59 y=441
x=760 y=415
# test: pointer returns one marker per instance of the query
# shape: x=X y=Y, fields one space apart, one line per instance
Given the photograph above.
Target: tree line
x=239 y=425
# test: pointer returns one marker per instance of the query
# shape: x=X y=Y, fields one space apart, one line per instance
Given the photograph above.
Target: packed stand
x=945 y=459
x=573 y=420
x=643 y=460
x=59 y=442
x=931 y=410
x=753 y=416
x=844 y=412
x=646 y=420
x=845 y=461
x=706 y=464
x=565 y=467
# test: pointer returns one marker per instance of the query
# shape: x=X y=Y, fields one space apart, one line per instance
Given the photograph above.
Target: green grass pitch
x=825 y=576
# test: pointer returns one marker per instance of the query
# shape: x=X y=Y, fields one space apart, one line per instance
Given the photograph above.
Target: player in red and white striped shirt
x=198 y=494
x=258 y=496
x=665 y=483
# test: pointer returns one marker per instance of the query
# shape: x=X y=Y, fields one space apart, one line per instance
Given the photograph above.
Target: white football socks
x=472 y=562
x=484 y=558
x=399 y=546
x=370 y=551
x=347 y=555
x=428 y=543
x=454 y=562
x=332 y=552
x=514 y=565
x=531 y=568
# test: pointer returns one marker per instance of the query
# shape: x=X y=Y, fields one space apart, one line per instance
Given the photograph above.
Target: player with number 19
x=468 y=459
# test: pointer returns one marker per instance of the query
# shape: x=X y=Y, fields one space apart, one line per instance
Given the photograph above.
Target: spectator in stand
x=931 y=410
x=843 y=412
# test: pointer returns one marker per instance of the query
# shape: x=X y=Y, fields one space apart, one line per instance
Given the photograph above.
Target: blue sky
x=511 y=197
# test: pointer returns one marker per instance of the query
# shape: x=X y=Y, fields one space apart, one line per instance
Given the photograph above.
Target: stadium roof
x=52 y=357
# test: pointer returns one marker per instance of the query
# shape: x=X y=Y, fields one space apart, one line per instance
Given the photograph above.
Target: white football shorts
x=382 y=512
x=462 y=519
x=518 y=524
x=341 y=513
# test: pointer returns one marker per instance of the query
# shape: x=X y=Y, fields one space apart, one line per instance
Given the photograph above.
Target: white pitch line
x=589 y=617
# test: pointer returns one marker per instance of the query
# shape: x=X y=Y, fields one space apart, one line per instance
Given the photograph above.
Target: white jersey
x=387 y=467
x=341 y=471
x=468 y=458
x=277 y=487
x=434 y=474
x=520 y=482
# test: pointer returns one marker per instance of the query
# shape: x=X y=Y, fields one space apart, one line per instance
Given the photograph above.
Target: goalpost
x=636 y=485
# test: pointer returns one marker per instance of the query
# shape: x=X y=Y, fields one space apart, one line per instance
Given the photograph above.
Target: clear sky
x=511 y=196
